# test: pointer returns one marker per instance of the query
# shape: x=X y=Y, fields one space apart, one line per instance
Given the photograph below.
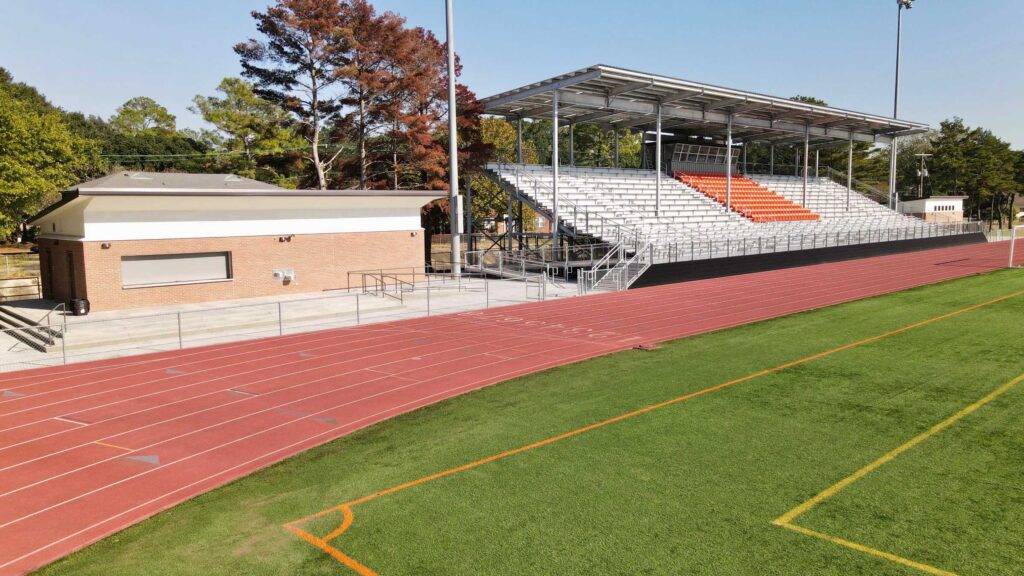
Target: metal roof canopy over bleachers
x=618 y=98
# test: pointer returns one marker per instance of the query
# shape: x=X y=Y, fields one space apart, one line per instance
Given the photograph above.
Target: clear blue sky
x=960 y=57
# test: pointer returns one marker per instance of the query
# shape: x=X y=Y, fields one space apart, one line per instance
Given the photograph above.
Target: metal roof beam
x=649 y=109
x=629 y=87
x=725 y=103
x=593 y=116
x=517 y=95
x=535 y=111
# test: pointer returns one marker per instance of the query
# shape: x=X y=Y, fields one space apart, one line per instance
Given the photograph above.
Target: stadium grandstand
x=696 y=198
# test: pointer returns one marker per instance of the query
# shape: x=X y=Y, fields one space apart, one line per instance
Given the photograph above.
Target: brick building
x=146 y=239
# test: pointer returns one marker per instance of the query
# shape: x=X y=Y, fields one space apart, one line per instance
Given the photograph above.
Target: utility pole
x=922 y=173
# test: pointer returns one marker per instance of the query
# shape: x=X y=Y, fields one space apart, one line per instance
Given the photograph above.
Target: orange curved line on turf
x=348 y=516
x=346 y=507
x=333 y=552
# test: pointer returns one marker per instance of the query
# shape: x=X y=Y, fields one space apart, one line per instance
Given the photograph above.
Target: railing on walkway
x=710 y=248
x=92 y=338
x=81 y=339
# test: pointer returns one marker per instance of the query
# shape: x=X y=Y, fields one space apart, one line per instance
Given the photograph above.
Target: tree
x=39 y=156
x=299 y=67
x=255 y=134
x=380 y=45
x=142 y=115
x=975 y=163
x=950 y=163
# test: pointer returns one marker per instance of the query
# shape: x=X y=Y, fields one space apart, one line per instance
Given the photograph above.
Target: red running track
x=89 y=449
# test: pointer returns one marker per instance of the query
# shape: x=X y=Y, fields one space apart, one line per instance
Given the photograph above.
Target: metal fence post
x=280 y=320
x=357 y=309
x=180 y=345
x=63 y=345
x=428 y=299
x=487 y=292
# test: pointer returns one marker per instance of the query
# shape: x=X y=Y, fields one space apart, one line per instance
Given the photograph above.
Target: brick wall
x=54 y=269
x=320 y=261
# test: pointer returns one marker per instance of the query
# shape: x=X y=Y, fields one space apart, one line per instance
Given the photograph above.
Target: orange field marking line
x=324 y=543
x=787 y=519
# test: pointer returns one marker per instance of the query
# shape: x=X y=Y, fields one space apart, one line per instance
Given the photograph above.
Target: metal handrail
x=873 y=194
x=707 y=248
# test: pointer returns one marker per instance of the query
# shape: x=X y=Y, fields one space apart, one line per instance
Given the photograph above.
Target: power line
x=214 y=154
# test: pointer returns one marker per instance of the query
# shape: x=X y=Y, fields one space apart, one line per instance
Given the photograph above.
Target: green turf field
x=696 y=487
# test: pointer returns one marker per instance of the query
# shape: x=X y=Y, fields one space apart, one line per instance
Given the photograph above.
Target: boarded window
x=175 y=268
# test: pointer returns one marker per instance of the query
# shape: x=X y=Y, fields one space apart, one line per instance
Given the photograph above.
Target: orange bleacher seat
x=748 y=198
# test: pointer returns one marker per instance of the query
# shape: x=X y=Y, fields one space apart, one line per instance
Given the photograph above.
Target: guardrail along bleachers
x=826 y=197
x=618 y=205
x=747 y=197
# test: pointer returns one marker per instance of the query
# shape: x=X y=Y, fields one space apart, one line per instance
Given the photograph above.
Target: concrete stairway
x=27 y=331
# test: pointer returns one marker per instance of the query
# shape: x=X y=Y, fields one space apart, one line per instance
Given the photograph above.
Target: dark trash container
x=79 y=307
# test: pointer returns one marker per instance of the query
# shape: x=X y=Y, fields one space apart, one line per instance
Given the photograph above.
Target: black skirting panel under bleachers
x=696 y=270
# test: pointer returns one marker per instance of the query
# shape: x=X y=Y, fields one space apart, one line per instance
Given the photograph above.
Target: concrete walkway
x=120 y=333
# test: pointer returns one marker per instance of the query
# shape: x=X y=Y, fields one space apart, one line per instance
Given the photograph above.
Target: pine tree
x=300 y=67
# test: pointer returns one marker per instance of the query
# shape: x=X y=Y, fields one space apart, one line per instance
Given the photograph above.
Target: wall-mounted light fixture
x=287 y=238
x=105 y=245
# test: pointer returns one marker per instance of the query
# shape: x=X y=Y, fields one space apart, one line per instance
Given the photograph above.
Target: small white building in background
x=935 y=208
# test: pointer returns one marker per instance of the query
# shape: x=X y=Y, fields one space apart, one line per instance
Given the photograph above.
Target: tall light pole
x=454 y=205
x=893 y=194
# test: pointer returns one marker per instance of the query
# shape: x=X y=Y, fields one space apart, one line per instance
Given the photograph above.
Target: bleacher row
x=615 y=203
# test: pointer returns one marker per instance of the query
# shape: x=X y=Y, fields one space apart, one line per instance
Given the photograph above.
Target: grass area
x=690 y=488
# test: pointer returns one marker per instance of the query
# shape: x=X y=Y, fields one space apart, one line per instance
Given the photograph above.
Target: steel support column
x=469 y=214
x=744 y=156
x=554 y=168
x=572 y=144
x=771 y=159
x=728 y=163
x=519 y=141
x=657 y=163
x=849 y=173
x=615 y=144
x=894 y=200
x=520 y=226
x=807 y=153
x=817 y=162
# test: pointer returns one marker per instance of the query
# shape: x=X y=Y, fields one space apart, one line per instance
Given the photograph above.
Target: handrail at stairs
x=623 y=274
